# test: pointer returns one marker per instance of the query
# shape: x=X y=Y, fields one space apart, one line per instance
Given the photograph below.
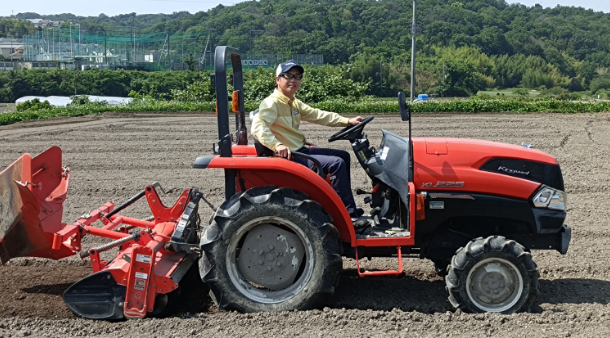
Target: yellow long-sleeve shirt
x=279 y=118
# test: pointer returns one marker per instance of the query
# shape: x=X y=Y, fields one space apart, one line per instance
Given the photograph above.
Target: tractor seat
x=261 y=150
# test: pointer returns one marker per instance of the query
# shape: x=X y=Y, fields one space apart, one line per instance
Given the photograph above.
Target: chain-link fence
x=114 y=49
x=73 y=48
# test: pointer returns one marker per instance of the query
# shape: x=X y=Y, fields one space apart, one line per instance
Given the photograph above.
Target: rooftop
x=9 y=41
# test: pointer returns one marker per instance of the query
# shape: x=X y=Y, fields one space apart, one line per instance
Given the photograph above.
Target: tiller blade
x=97 y=296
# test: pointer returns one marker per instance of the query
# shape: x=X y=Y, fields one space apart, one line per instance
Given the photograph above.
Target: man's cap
x=286 y=66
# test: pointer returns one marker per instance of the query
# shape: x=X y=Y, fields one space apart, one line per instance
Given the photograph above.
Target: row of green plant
x=363 y=107
x=320 y=84
x=61 y=82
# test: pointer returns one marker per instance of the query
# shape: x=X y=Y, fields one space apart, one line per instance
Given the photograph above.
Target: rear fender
x=261 y=171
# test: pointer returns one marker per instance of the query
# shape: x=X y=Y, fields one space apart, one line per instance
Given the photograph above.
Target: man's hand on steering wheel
x=355 y=127
x=354 y=121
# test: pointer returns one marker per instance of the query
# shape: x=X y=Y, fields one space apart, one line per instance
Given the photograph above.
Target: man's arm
x=322 y=117
x=267 y=113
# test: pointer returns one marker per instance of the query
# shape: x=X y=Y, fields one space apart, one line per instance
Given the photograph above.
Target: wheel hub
x=270 y=257
x=494 y=285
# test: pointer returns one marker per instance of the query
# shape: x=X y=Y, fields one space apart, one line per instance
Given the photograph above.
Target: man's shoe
x=359 y=212
x=362 y=226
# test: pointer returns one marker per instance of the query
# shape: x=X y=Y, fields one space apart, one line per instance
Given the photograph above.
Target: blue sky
x=115 y=7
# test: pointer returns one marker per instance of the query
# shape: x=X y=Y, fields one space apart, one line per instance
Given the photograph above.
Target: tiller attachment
x=153 y=254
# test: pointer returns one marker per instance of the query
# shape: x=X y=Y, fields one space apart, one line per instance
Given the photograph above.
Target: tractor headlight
x=548 y=197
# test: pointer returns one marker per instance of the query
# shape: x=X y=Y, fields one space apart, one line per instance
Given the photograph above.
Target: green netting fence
x=117 y=48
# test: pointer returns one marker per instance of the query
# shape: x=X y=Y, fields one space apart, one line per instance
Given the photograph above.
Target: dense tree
x=11 y=28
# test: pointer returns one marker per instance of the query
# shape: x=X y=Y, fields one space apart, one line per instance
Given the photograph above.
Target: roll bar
x=219 y=80
x=220 y=83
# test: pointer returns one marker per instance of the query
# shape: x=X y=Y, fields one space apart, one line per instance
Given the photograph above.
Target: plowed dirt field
x=113 y=157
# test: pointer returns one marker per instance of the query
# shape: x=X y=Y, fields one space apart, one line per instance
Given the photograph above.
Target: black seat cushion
x=261 y=150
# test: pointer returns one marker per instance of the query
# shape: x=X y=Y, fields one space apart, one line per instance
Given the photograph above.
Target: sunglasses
x=289 y=76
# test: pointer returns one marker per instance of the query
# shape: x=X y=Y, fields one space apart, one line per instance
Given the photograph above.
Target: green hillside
x=463 y=46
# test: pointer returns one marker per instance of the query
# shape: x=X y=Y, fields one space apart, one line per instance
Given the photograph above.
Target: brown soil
x=113 y=158
x=35 y=291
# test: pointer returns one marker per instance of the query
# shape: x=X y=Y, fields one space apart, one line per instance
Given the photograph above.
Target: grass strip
x=339 y=106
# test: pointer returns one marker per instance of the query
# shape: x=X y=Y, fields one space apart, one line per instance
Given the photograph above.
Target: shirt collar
x=283 y=97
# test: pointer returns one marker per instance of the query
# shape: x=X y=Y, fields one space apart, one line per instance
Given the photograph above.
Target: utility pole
x=169 y=52
x=105 y=49
x=380 y=77
x=413 y=31
x=205 y=50
x=444 y=77
x=133 y=53
x=252 y=36
x=71 y=43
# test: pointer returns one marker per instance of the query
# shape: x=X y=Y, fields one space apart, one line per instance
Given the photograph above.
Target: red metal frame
x=381 y=273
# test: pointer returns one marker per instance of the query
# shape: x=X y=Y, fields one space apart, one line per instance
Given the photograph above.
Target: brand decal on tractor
x=513 y=171
x=442 y=184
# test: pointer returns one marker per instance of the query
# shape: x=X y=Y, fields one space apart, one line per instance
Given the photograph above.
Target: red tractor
x=475 y=208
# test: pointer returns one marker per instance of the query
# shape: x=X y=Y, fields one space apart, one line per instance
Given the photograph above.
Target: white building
x=9 y=46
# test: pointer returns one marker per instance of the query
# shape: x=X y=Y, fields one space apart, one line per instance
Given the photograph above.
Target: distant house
x=18 y=54
x=36 y=22
x=9 y=46
x=45 y=23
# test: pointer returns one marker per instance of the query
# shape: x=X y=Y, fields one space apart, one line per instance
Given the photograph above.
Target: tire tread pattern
x=466 y=256
x=216 y=238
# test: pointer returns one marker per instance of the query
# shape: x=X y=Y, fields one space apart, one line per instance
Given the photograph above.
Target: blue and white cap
x=286 y=66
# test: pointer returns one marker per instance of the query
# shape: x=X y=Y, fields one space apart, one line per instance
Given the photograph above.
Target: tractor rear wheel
x=270 y=249
x=492 y=275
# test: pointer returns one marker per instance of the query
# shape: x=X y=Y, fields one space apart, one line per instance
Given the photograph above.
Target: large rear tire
x=492 y=275
x=270 y=249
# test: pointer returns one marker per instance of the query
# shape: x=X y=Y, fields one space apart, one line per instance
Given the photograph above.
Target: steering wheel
x=351 y=132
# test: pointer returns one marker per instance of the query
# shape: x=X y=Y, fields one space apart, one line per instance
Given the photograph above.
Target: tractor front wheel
x=492 y=275
x=270 y=249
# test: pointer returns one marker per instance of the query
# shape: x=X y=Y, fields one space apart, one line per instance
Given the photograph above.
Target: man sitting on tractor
x=276 y=127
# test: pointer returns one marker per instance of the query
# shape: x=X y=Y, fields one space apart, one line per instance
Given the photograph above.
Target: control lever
x=362 y=192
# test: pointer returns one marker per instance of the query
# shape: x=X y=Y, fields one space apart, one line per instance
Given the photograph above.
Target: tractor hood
x=483 y=167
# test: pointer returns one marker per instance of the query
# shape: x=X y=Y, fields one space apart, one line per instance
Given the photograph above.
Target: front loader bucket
x=32 y=192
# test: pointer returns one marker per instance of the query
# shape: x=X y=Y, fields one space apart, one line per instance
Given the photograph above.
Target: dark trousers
x=337 y=164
